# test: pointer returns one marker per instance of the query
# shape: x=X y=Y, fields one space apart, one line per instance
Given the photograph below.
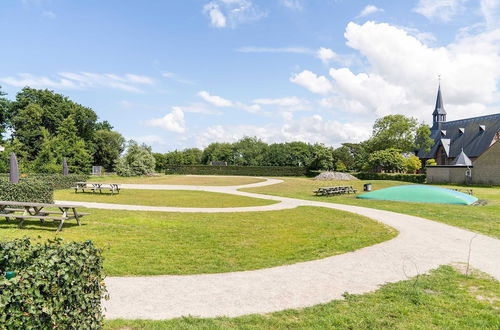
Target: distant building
x=465 y=150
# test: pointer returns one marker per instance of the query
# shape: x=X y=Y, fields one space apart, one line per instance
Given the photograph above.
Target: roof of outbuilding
x=472 y=140
x=462 y=159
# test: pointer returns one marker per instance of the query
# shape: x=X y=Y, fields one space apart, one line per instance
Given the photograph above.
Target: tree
x=218 y=152
x=360 y=154
x=138 y=160
x=393 y=131
x=65 y=144
x=423 y=140
x=388 y=160
x=249 y=151
x=412 y=164
x=28 y=123
x=322 y=158
x=192 y=156
x=108 y=146
x=5 y=105
x=343 y=158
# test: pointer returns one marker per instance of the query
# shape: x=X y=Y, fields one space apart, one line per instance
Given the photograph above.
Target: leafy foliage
x=393 y=131
x=26 y=191
x=138 y=160
x=56 y=285
x=414 y=178
x=412 y=164
x=239 y=170
x=108 y=147
x=388 y=160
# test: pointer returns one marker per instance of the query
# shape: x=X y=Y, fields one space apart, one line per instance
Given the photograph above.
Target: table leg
x=76 y=216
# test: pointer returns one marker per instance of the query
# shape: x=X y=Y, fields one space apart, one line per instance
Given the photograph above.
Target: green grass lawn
x=173 y=198
x=445 y=299
x=178 y=179
x=155 y=243
x=482 y=219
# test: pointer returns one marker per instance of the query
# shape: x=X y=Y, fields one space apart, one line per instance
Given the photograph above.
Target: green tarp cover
x=422 y=194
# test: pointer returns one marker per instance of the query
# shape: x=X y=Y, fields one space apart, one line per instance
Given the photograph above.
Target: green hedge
x=415 y=178
x=26 y=191
x=238 y=170
x=57 y=181
x=56 y=286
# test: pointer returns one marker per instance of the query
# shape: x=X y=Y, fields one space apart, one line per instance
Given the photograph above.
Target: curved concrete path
x=421 y=245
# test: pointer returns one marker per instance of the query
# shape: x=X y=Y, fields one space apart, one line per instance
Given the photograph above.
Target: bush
x=26 y=191
x=56 y=286
x=138 y=160
x=56 y=181
x=415 y=178
x=239 y=170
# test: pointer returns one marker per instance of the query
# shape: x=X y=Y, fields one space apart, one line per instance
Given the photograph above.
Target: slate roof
x=439 y=108
x=462 y=159
x=473 y=141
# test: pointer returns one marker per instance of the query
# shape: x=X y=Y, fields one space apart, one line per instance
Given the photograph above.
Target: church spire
x=439 y=114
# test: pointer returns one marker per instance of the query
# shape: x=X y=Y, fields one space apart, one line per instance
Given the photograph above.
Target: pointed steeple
x=439 y=114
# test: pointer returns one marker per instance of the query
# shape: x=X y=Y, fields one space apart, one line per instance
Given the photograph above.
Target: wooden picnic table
x=336 y=190
x=30 y=210
x=97 y=186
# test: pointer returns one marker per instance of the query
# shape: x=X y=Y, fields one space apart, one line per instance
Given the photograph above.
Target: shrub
x=26 y=191
x=239 y=170
x=415 y=178
x=56 y=286
x=138 y=160
x=56 y=181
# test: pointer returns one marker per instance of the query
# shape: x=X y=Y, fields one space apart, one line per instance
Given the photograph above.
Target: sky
x=184 y=73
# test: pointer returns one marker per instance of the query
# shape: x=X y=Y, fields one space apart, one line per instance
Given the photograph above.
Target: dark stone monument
x=65 y=167
x=14 y=169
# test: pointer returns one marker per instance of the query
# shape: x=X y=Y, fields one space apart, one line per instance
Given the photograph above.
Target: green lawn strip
x=178 y=179
x=172 y=198
x=157 y=243
x=444 y=299
x=481 y=219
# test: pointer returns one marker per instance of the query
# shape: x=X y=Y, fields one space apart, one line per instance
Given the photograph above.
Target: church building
x=465 y=150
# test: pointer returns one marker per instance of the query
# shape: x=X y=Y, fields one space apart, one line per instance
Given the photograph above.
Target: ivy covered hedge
x=26 y=191
x=55 y=285
x=415 y=178
x=57 y=181
x=238 y=170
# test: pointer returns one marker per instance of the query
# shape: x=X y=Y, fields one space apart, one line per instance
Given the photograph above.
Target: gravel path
x=421 y=245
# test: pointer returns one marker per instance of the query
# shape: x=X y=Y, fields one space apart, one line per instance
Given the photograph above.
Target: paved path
x=421 y=245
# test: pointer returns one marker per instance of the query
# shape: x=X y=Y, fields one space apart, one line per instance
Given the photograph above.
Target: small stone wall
x=487 y=167
x=447 y=174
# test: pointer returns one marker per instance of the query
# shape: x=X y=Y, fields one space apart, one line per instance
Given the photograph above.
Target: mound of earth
x=326 y=176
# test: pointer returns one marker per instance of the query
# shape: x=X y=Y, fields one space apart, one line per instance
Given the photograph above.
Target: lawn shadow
x=37 y=225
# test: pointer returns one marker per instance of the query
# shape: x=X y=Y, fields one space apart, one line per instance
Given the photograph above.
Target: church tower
x=439 y=114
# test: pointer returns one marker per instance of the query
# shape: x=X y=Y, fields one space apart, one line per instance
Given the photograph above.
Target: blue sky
x=177 y=74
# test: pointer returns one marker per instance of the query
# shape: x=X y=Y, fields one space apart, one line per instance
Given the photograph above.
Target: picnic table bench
x=464 y=190
x=337 y=190
x=28 y=210
x=97 y=186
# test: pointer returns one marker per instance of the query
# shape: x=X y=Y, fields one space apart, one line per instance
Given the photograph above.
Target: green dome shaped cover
x=421 y=194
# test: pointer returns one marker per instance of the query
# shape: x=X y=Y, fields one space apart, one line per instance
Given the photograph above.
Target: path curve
x=421 y=245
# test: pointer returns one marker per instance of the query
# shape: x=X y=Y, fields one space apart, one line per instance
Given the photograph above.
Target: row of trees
x=43 y=127
x=390 y=148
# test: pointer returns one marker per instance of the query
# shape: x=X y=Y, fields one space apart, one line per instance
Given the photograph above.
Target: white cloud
x=149 y=139
x=230 y=13
x=215 y=100
x=48 y=14
x=312 y=129
x=80 y=80
x=312 y=82
x=291 y=103
x=293 y=50
x=326 y=55
x=369 y=9
x=173 y=121
x=442 y=10
x=217 y=18
x=175 y=77
x=401 y=75
x=292 y=4
x=491 y=12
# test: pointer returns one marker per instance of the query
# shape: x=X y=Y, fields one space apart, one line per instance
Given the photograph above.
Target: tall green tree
x=393 y=131
x=423 y=140
x=388 y=160
x=218 y=152
x=108 y=146
x=64 y=144
x=249 y=151
x=28 y=124
x=5 y=105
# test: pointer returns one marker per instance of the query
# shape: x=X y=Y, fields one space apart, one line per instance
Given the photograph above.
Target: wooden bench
x=464 y=190
x=11 y=210
x=114 y=188
x=336 y=190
